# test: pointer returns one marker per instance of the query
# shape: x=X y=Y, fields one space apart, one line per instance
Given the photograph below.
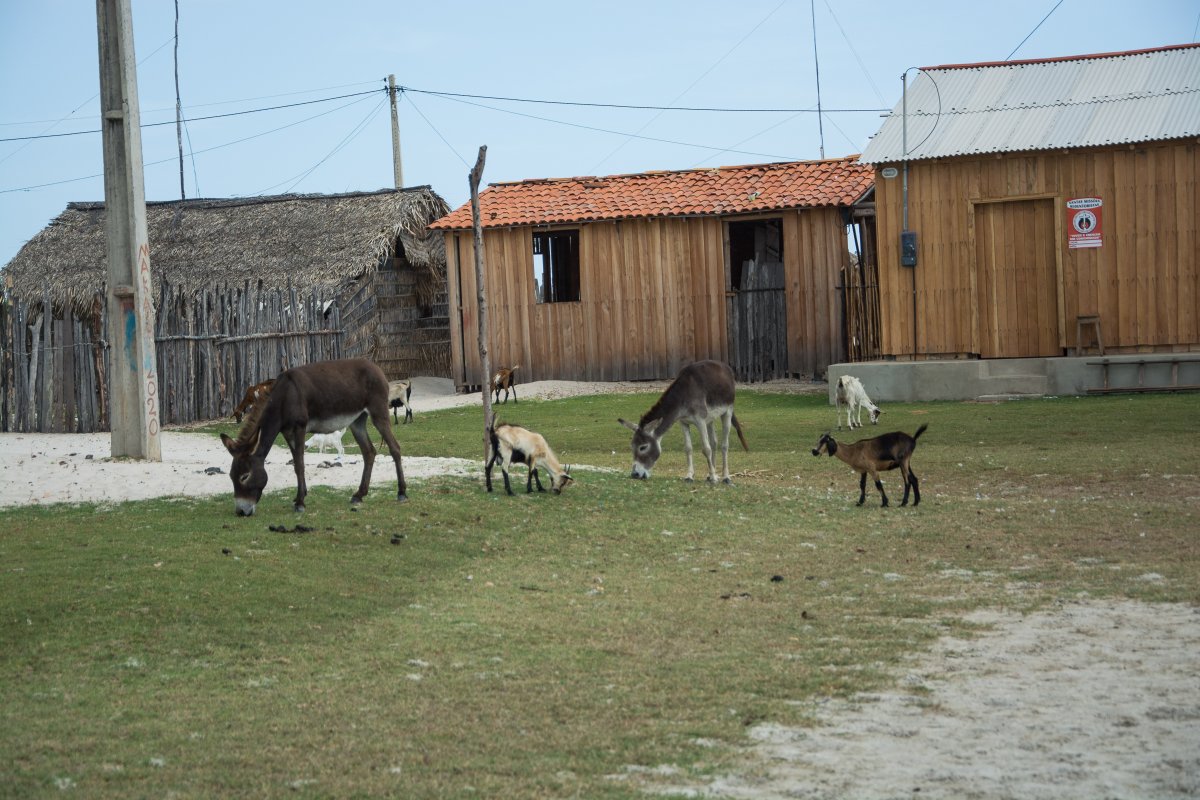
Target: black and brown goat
x=880 y=454
x=512 y=444
x=503 y=379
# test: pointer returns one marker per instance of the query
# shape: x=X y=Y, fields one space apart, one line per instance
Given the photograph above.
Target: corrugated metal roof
x=1080 y=101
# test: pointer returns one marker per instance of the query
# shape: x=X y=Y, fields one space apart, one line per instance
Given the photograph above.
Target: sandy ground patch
x=1095 y=699
x=42 y=468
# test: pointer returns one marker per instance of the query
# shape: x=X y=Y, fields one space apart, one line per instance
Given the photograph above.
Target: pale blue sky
x=236 y=55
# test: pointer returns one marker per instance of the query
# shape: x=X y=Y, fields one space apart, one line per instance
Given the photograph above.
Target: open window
x=556 y=266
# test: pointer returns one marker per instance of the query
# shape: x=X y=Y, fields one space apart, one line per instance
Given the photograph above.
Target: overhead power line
x=710 y=109
x=201 y=119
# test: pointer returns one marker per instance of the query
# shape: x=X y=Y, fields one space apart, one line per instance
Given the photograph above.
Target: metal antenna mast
x=816 y=60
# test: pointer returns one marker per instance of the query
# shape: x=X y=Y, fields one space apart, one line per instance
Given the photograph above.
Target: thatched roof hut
x=313 y=241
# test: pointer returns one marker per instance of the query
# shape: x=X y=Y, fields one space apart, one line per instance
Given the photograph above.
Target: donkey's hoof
x=401 y=497
x=298 y=508
x=728 y=481
x=354 y=501
x=688 y=480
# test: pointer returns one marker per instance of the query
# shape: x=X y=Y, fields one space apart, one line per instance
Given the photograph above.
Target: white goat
x=850 y=392
x=400 y=396
x=332 y=440
x=512 y=444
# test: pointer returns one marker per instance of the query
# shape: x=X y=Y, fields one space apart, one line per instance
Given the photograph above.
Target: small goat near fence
x=252 y=394
x=400 y=396
x=503 y=379
x=512 y=444
x=850 y=393
x=880 y=454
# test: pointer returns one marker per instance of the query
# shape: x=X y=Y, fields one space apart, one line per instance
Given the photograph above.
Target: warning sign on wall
x=1084 y=227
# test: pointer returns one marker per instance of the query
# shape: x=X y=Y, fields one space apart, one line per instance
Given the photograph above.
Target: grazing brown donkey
x=315 y=398
x=699 y=395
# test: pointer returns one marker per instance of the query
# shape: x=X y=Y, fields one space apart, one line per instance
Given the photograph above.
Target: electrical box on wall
x=908 y=248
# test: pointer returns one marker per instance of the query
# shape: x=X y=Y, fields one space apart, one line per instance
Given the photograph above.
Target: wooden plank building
x=630 y=277
x=1041 y=192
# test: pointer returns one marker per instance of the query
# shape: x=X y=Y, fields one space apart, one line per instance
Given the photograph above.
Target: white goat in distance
x=850 y=393
x=331 y=440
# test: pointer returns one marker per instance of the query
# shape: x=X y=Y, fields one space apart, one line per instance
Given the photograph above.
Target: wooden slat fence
x=210 y=346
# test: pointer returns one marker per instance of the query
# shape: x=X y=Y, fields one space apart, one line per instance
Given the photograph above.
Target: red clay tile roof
x=697 y=192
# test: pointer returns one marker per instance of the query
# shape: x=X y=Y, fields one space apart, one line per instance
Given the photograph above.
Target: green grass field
x=472 y=645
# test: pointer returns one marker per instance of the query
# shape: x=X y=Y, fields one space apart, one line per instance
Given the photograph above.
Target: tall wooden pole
x=134 y=389
x=397 y=162
x=481 y=297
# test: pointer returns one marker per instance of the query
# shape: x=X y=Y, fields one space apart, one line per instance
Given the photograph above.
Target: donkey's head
x=825 y=444
x=646 y=447
x=248 y=473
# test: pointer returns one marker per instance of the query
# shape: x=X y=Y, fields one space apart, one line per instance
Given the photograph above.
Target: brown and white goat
x=880 y=454
x=851 y=394
x=252 y=394
x=400 y=396
x=512 y=444
x=503 y=379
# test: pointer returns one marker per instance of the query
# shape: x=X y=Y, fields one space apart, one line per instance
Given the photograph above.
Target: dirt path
x=1095 y=699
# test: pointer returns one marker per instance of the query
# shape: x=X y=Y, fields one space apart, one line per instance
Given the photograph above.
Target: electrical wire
x=81 y=105
x=202 y=119
x=617 y=133
x=581 y=104
x=194 y=153
x=1032 y=32
x=717 y=63
x=404 y=96
x=354 y=132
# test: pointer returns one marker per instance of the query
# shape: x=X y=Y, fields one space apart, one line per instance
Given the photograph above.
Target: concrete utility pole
x=133 y=388
x=397 y=163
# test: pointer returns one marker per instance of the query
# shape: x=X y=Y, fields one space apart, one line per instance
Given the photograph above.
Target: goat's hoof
x=298 y=508
x=401 y=497
x=860 y=502
x=355 y=500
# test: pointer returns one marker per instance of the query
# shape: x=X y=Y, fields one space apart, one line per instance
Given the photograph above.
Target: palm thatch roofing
x=311 y=241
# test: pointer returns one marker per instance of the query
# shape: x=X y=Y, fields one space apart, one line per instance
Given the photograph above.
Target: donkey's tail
x=920 y=430
x=737 y=426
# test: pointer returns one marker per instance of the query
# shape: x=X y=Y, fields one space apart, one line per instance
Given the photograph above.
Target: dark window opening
x=556 y=266
x=759 y=241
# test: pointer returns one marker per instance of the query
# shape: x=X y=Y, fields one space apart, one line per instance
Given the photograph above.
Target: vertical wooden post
x=481 y=296
x=134 y=375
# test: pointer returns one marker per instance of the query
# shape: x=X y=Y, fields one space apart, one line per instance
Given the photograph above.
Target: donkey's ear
x=651 y=426
x=230 y=444
x=628 y=424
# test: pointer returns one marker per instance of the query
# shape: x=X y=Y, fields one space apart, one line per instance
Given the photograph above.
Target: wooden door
x=1016 y=279
x=758 y=318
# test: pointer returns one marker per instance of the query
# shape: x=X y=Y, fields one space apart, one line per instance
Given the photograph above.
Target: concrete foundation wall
x=915 y=381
